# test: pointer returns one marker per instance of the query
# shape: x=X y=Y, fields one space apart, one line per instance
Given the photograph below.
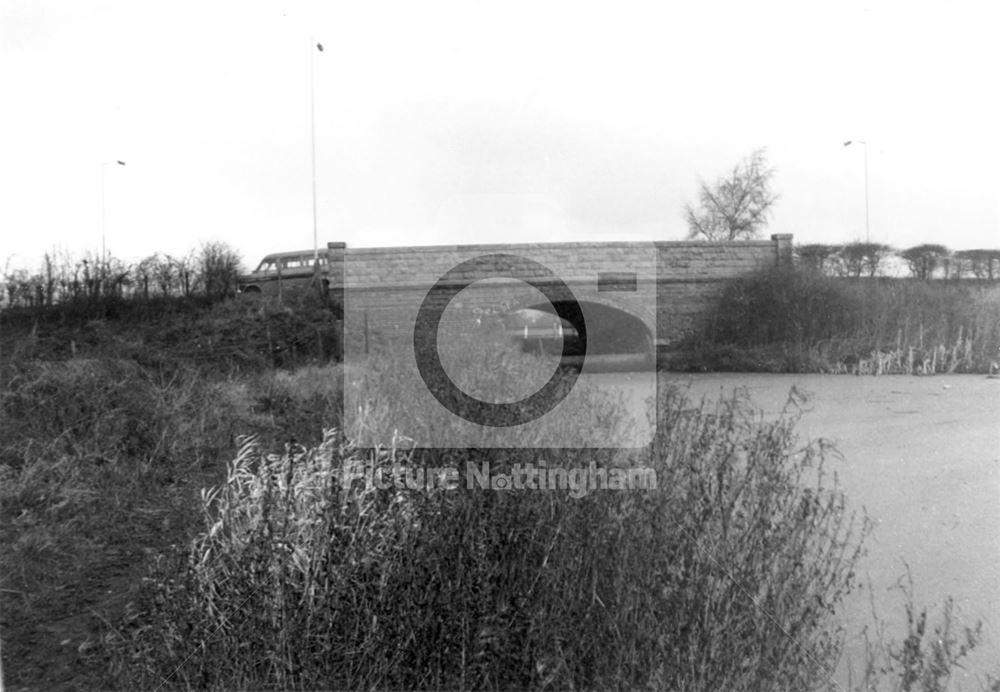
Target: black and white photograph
x=499 y=346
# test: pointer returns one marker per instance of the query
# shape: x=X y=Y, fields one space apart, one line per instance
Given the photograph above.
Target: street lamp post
x=104 y=165
x=312 y=127
x=868 y=233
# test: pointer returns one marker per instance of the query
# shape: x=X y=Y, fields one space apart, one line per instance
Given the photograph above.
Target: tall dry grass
x=723 y=577
x=100 y=461
x=85 y=446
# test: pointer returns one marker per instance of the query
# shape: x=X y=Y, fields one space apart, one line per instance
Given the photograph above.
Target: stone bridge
x=622 y=296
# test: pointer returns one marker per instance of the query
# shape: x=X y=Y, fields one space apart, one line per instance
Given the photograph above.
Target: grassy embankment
x=805 y=322
x=110 y=423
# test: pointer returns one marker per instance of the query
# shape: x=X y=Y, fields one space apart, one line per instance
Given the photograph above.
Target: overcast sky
x=473 y=122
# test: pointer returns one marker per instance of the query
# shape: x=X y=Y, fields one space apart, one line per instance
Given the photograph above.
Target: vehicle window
x=272 y=264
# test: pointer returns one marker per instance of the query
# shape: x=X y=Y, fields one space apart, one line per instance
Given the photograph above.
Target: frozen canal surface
x=922 y=456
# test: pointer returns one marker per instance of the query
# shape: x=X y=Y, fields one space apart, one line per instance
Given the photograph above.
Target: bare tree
x=924 y=259
x=166 y=273
x=980 y=263
x=145 y=271
x=737 y=206
x=65 y=270
x=20 y=287
x=219 y=265
x=185 y=270
x=863 y=259
x=49 y=270
x=818 y=257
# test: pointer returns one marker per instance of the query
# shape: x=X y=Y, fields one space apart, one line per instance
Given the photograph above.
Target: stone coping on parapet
x=570 y=245
x=422 y=285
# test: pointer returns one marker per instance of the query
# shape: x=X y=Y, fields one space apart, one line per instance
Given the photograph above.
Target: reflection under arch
x=608 y=330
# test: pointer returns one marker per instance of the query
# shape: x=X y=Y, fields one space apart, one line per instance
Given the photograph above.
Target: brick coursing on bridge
x=689 y=275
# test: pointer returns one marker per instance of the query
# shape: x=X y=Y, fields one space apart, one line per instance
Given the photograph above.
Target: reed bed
x=905 y=360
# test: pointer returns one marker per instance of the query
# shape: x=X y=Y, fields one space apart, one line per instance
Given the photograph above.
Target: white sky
x=476 y=122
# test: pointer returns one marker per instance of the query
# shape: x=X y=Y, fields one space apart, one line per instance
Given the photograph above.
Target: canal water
x=921 y=455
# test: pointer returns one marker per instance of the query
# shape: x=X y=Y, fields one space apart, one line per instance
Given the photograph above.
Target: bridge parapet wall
x=690 y=274
x=572 y=262
x=693 y=274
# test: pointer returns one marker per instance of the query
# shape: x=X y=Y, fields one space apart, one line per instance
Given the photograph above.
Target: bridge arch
x=610 y=329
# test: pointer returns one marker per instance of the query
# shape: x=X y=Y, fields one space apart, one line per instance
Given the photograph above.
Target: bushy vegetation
x=802 y=321
x=723 y=577
x=247 y=334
